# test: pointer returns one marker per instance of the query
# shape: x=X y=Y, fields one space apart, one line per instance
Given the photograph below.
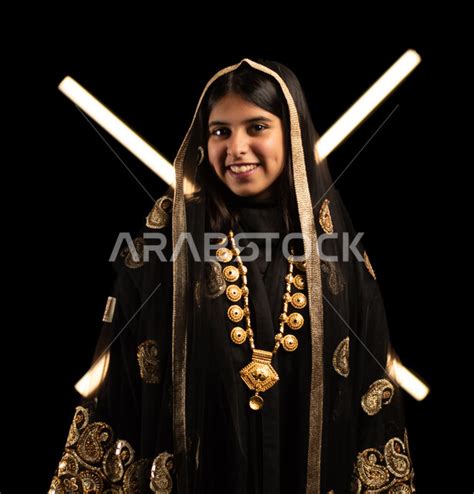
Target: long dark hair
x=262 y=90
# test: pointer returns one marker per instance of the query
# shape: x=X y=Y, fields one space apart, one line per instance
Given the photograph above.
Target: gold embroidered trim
x=161 y=481
x=325 y=219
x=109 y=309
x=369 y=267
x=134 y=256
x=340 y=358
x=335 y=279
x=159 y=216
x=388 y=471
x=147 y=355
x=94 y=462
x=379 y=393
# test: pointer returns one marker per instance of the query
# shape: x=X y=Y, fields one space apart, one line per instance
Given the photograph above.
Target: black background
x=75 y=195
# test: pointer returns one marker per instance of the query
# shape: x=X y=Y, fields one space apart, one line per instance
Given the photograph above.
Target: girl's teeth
x=242 y=169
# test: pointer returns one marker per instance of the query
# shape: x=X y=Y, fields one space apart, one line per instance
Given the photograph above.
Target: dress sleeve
x=120 y=439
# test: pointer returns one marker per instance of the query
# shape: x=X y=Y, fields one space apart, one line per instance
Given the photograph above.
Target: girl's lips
x=242 y=174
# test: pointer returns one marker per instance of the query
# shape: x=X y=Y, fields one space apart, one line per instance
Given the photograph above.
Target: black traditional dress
x=167 y=409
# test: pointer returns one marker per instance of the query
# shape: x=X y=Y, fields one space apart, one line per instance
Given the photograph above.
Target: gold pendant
x=259 y=376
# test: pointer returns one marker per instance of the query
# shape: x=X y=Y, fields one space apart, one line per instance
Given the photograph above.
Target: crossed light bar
x=327 y=143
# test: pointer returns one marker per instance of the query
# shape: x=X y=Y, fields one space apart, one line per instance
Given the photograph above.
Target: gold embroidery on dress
x=93 y=462
x=379 y=393
x=109 y=309
x=161 y=481
x=335 y=279
x=325 y=219
x=147 y=355
x=215 y=282
x=340 y=358
x=388 y=471
x=134 y=256
x=369 y=267
x=160 y=214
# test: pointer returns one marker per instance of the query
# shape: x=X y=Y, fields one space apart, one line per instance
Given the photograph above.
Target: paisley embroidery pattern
x=147 y=355
x=159 y=216
x=93 y=462
x=161 y=481
x=215 y=282
x=379 y=393
x=335 y=279
x=325 y=219
x=388 y=470
x=134 y=256
x=340 y=358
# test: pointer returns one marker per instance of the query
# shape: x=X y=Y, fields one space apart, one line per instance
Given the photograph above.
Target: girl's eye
x=257 y=128
x=219 y=132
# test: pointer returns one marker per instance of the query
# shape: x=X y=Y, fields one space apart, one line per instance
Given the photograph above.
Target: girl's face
x=246 y=146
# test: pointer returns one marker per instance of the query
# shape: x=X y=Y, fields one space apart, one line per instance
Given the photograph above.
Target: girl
x=243 y=350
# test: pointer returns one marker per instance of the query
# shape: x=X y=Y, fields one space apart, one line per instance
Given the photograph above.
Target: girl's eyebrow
x=249 y=120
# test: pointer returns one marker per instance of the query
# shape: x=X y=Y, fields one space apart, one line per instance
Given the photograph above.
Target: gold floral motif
x=325 y=219
x=379 y=393
x=160 y=214
x=335 y=279
x=369 y=267
x=134 y=255
x=340 y=358
x=93 y=462
x=109 y=310
x=147 y=355
x=389 y=470
x=161 y=481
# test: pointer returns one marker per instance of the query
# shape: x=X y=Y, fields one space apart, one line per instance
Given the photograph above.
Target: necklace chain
x=259 y=375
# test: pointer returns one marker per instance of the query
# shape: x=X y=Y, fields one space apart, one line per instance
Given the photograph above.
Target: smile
x=242 y=170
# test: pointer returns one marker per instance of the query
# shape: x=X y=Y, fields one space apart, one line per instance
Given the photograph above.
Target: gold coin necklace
x=259 y=375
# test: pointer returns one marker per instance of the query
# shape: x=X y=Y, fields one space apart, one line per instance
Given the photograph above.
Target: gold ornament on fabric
x=134 y=256
x=159 y=216
x=94 y=462
x=259 y=376
x=335 y=279
x=340 y=358
x=379 y=393
x=161 y=481
x=386 y=470
x=147 y=355
x=325 y=219
x=369 y=267
x=109 y=309
x=215 y=282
